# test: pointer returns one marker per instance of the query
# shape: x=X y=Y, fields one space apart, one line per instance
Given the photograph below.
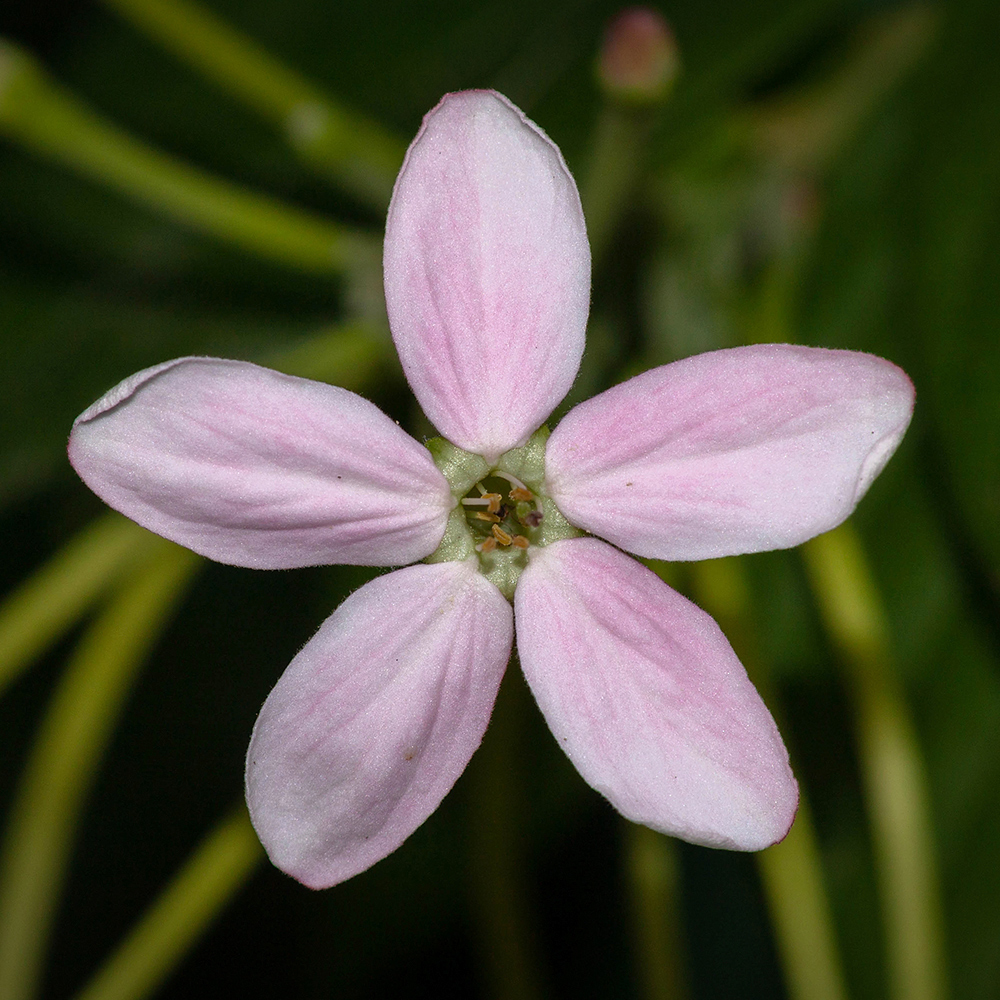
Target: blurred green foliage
x=826 y=171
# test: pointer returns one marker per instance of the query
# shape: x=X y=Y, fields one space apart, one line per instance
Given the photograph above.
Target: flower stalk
x=791 y=872
x=67 y=751
x=355 y=152
x=42 y=608
x=653 y=882
x=217 y=869
x=638 y=65
x=44 y=117
x=892 y=767
x=497 y=875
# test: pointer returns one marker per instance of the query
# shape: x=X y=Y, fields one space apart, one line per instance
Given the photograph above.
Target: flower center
x=500 y=511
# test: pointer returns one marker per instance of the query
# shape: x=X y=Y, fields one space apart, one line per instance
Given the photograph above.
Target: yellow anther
x=492 y=518
x=519 y=542
x=503 y=537
x=487 y=545
x=520 y=493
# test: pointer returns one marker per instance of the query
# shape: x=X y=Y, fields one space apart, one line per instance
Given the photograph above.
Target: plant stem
x=621 y=138
x=198 y=892
x=792 y=875
x=653 y=883
x=356 y=152
x=54 y=597
x=892 y=768
x=44 y=117
x=791 y=872
x=64 y=760
x=507 y=935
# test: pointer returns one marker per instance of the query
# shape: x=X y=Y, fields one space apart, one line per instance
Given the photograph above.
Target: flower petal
x=487 y=272
x=647 y=698
x=373 y=722
x=254 y=468
x=741 y=450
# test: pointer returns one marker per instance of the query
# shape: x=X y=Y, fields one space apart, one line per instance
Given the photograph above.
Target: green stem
x=792 y=876
x=653 y=885
x=621 y=139
x=356 y=152
x=218 y=868
x=64 y=760
x=892 y=767
x=47 y=604
x=46 y=118
x=507 y=936
x=791 y=872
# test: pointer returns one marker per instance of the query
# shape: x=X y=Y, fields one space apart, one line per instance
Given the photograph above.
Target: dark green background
x=903 y=263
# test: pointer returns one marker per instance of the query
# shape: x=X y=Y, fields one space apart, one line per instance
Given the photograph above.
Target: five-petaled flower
x=487 y=280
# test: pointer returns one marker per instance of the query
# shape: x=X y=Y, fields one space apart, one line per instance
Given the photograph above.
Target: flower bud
x=639 y=58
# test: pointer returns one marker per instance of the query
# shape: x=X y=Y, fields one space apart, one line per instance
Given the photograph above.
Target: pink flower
x=487 y=275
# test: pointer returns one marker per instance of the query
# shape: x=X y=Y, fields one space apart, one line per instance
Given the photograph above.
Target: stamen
x=492 y=518
x=520 y=494
x=513 y=480
x=487 y=545
x=491 y=501
x=520 y=542
x=503 y=537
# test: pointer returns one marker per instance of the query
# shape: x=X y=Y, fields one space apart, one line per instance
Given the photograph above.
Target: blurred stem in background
x=151 y=574
x=71 y=740
x=199 y=891
x=508 y=939
x=356 y=153
x=637 y=66
x=791 y=872
x=799 y=138
x=892 y=765
x=653 y=885
x=639 y=62
x=43 y=608
x=56 y=596
x=46 y=118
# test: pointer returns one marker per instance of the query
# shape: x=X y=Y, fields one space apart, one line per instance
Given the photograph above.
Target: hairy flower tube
x=487 y=281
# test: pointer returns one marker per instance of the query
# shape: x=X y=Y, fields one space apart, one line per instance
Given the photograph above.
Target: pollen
x=503 y=537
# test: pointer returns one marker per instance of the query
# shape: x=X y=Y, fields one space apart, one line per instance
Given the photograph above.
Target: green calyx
x=493 y=519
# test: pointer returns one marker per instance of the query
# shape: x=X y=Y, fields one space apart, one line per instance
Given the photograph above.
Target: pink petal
x=373 y=722
x=649 y=701
x=487 y=272
x=254 y=468
x=735 y=451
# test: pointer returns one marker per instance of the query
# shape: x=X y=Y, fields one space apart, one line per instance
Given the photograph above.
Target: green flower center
x=500 y=512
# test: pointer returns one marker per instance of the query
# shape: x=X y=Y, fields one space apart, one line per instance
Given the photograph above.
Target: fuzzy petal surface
x=373 y=722
x=740 y=450
x=487 y=272
x=647 y=698
x=254 y=468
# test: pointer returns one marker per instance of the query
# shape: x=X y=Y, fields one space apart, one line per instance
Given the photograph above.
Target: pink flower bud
x=639 y=59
